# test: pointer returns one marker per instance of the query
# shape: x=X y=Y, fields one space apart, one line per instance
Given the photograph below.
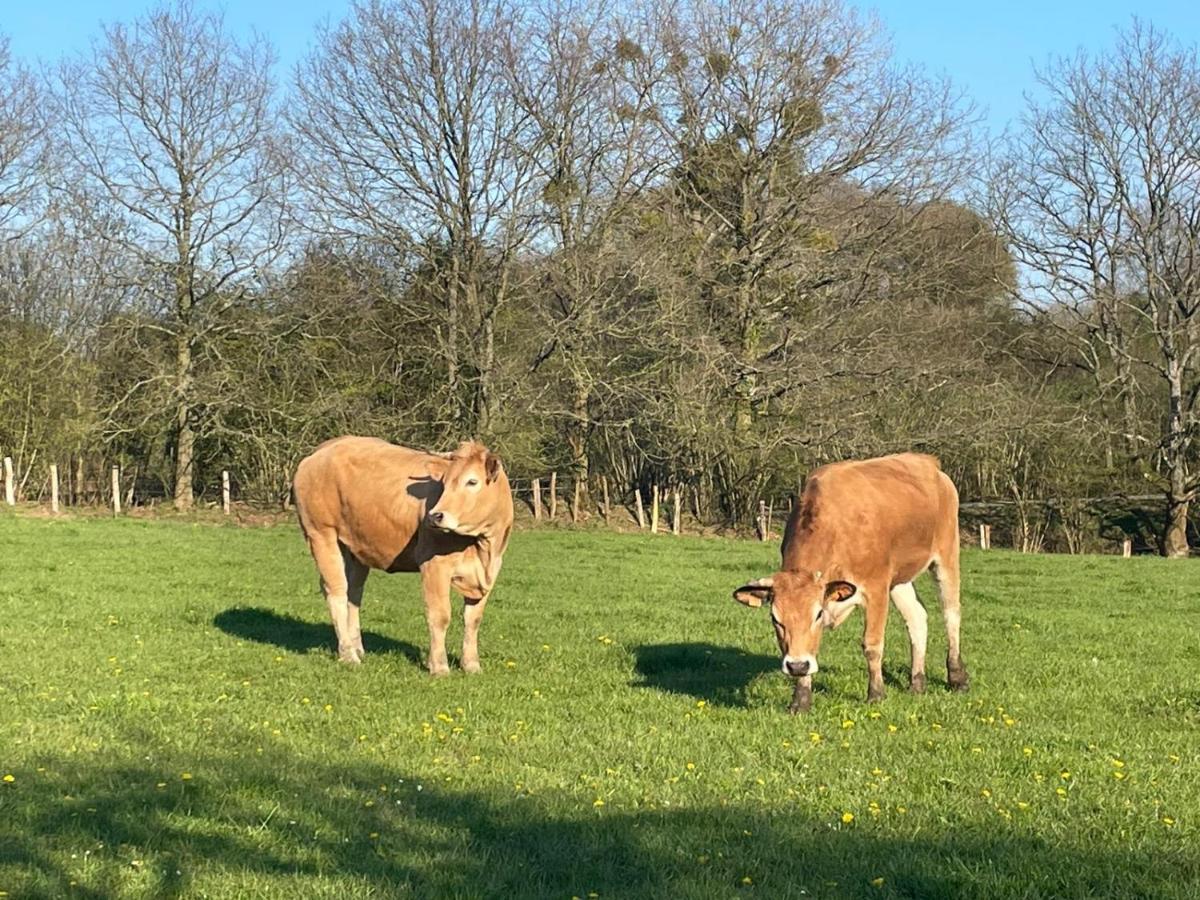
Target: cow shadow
x=266 y=626
x=715 y=674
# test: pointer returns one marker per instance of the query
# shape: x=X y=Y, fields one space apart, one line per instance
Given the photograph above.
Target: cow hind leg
x=332 y=567
x=356 y=579
x=946 y=575
x=904 y=596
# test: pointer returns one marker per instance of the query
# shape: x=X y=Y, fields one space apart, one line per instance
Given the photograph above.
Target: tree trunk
x=577 y=434
x=1175 y=539
x=185 y=435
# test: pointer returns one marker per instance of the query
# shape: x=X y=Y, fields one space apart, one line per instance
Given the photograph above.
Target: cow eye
x=471 y=482
x=820 y=612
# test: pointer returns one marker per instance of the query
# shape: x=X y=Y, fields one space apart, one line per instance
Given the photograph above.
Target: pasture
x=174 y=723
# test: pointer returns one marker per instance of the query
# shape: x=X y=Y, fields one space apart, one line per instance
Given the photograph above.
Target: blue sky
x=988 y=49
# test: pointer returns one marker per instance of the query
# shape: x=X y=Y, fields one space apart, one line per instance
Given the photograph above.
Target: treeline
x=692 y=243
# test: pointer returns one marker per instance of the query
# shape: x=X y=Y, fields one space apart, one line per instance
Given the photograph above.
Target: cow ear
x=839 y=591
x=492 y=467
x=755 y=593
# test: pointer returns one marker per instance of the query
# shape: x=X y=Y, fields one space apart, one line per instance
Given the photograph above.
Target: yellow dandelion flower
x=936 y=726
x=746 y=879
x=985 y=793
x=877 y=882
x=597 y=803
x=1062 y=792
x=9 y=779
x=1173 y=757
x=1065 y=775
x=902 y=810
x=847 y=723
x=1168 y=821
x=1021 y=804
x=847 y=817
x=161 y=785
x=1028 y=751
x=1120 y=776
x=891 y=728
x=328 y=707
x=1118 y=763
x=186 y=776
x=691 y=766
x=374 y=835
x=814 y=737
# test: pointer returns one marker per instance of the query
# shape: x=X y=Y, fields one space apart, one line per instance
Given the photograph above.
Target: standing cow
x=366 y=504
x=862 y=531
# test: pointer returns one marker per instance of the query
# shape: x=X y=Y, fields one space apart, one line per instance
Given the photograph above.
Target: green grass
x=175 y=724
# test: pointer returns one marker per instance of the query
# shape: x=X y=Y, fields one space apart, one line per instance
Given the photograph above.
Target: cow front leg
x=917 y=622
x=876 y=616
x=472 y=618
x=801 y=695
x=435 y=585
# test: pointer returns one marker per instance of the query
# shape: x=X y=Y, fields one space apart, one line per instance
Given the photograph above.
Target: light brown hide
x=365 y=504
x=862 y=531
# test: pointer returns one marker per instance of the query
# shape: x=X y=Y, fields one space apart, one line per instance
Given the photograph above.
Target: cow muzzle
x=798 y=667
x=442 y=520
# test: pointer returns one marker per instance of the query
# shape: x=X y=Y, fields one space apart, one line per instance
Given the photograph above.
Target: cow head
x=803 y=604
x=474 y=487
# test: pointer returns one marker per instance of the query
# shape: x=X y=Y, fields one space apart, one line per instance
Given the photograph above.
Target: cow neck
x=809 y=553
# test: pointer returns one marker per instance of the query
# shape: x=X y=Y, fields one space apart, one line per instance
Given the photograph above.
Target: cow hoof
x=876 y=696
x=961 y=685
x=439 y=671
x=472 y=667
x=917 y=684
x=349 y=655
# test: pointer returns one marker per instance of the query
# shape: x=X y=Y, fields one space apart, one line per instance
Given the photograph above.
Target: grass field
x=174 y=724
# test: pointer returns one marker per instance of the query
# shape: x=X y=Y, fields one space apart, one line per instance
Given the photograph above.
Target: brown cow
x=366 y=504
x=862 y=531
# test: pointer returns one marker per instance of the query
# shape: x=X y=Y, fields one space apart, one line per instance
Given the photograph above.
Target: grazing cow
x=862 y=531
x=366 y=504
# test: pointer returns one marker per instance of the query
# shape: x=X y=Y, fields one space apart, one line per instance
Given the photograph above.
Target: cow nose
x=797 y=667
x=437 y=517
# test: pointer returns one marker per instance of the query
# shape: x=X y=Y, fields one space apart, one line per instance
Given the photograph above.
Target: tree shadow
x=715 y=674
x=266 y=626
x=290 y=827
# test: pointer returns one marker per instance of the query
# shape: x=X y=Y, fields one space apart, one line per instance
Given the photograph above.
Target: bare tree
x=22 y=149
x=803 y=152
x=1099 y=197
x=170 y=133
x=410 y=138
x=585 y=78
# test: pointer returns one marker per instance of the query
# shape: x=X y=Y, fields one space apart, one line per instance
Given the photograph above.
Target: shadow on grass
x=280 y=826
x=715 y=674
x=290 y=633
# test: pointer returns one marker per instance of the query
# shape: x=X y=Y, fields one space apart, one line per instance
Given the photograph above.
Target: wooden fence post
x=537 y=499
x=54 y=488
x=770 y=516
x=654 y=510
x=604 y=489
x=116 y=490
x=675 y=517
x=225 y=491
x=762 y=520
x=10 y=496
x=1127 y=548
x=553 y=495
x=575 y=499
x=641 y=513
x=985 y=537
